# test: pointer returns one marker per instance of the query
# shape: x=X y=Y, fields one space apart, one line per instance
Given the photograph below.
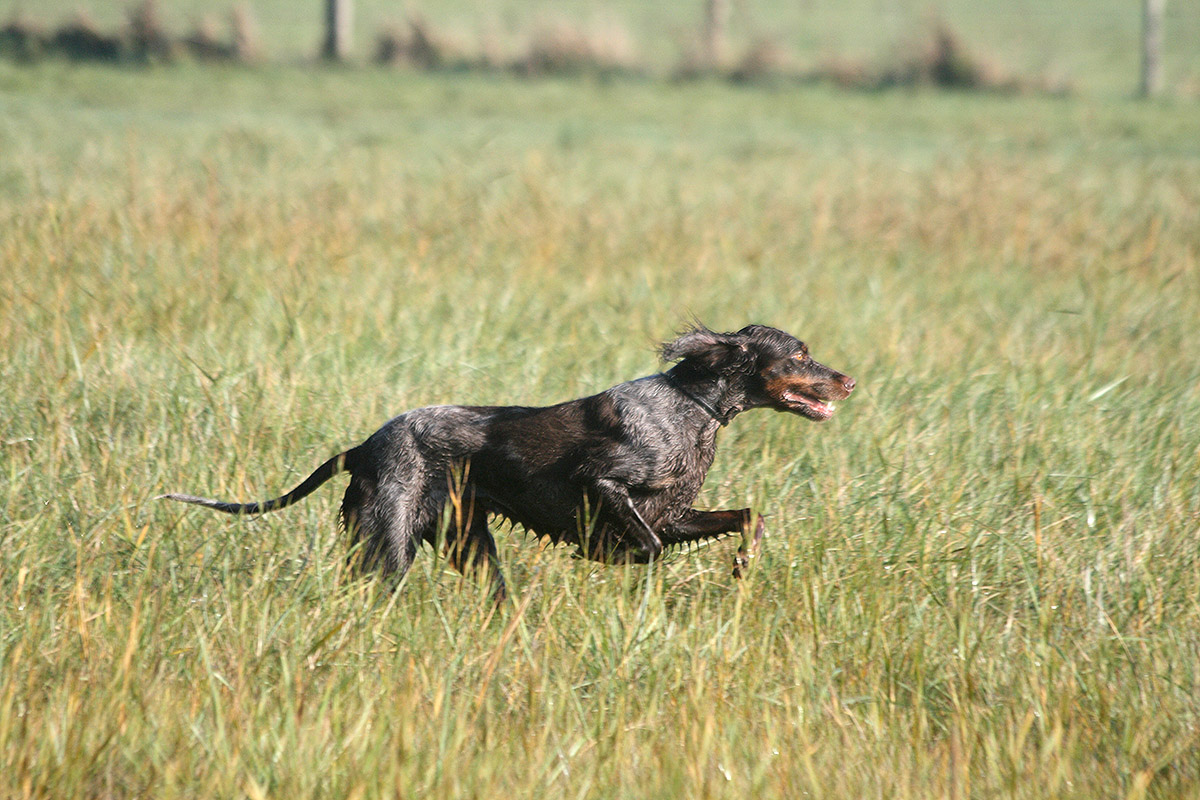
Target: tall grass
x=981 y=577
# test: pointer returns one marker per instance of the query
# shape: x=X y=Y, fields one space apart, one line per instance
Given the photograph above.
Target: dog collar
x=722 y=419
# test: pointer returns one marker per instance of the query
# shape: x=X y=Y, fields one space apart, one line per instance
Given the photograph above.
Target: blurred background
x=1088 y=45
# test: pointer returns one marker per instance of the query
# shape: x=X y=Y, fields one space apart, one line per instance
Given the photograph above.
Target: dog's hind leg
x=384 y=529
x=471 y=550
x=367 y=545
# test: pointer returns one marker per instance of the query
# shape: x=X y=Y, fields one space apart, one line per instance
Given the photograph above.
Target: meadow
x=981 y=578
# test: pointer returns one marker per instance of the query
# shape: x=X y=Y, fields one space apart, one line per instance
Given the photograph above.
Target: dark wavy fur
x=613 y=474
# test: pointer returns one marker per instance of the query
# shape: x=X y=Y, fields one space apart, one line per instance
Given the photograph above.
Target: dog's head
x=768 y=367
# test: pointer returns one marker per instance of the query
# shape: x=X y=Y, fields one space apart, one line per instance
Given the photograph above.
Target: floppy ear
x=718 y=352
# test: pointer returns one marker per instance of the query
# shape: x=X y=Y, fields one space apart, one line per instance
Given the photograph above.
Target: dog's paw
x=749 y=548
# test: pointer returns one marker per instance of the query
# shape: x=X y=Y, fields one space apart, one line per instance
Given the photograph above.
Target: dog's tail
x=342 y=462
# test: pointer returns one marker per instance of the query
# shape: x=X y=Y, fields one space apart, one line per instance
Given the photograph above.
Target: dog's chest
x=678 y=460
x=662 y=442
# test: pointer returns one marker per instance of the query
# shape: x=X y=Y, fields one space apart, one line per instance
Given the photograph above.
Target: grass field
x=982 y=577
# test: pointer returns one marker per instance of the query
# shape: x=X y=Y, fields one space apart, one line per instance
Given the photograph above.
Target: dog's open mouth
x=808 y=405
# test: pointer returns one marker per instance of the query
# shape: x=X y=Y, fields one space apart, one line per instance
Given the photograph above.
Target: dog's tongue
x=811 y=402
x=823 y=408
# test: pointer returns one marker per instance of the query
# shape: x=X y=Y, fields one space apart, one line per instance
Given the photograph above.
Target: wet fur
x=614 y=474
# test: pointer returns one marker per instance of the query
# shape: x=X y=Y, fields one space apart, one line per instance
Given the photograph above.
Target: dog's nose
x=848 y=382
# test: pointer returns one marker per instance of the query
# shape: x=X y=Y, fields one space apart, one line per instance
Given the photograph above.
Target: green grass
x=981 y=578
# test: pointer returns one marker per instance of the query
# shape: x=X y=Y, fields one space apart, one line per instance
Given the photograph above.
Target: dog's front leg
x=698 y=525
x=618 y=505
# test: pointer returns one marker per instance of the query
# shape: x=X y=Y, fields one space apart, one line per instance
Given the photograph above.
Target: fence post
x=1152 y=37
x=339 y=20
x=716 y=17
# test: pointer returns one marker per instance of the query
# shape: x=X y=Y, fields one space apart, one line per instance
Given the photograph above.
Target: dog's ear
x=719 y=352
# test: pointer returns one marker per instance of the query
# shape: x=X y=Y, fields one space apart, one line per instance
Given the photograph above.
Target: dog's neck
x=712 y=408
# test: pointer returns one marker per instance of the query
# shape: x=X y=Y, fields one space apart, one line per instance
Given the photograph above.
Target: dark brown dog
x=614 y=474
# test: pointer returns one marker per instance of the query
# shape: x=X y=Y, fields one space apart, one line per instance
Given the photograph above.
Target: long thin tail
x=342 y=462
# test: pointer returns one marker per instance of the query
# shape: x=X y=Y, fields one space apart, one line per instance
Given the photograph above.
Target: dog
x=613 y=474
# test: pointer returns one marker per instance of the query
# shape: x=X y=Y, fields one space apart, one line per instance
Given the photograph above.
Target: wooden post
x=716 y=18
x=1152 y=37
x=339 y=21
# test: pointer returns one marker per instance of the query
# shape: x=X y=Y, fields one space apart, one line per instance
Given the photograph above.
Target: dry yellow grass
x=981 y=578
